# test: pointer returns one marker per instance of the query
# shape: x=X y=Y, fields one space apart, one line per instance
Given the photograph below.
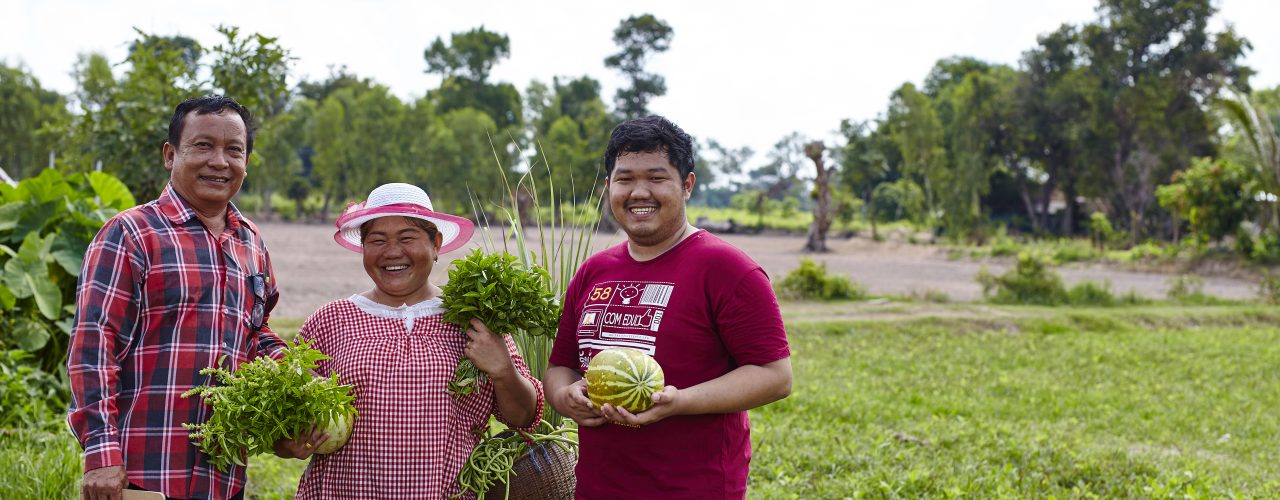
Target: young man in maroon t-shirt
x=703 y=309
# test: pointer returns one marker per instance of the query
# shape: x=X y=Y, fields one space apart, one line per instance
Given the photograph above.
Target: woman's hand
x=488 y=351
x=301 y=446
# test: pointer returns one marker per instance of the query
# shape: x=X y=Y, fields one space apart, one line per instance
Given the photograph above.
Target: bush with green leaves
x=30 y=398
x=1029 y=282
x=1269 y=287
x=810 y=281
x=1091 y=293
x=46 y=224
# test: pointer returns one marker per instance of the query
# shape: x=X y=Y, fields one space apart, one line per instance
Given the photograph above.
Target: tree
x=30 y=115
x=638 y=38
x=334 y=148
x=1052 y=97
x=571 y=130
x=471 y=54
x=126 y=131
x=464 y=67
x=822 y=209
x=1259 y=129
x=1214 y=197
x=1154 y=65
x=716 y=184
x=916 y=129
x=866 y=161
x=252 y=71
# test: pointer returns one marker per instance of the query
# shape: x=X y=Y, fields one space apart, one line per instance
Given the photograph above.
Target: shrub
x=1091 y=293
x=811 y=282
x=1189 y=289
x=1269 y=288
x=1029 y=282
x=46 y=223
x=1100 y=230
x=29 y=397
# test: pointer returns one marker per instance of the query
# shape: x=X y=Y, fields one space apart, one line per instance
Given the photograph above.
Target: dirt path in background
x=313 y=270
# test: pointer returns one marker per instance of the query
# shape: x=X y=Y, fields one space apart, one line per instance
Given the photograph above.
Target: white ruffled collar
x=407 y=312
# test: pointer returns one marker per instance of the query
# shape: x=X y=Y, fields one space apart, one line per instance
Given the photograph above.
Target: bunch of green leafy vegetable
x=264 y=401
x=504 y=294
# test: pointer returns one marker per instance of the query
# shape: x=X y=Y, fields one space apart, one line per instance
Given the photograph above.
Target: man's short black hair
x=205 y=105
x=651 y=134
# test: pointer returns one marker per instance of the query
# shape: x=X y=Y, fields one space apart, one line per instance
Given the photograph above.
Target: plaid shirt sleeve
x=269 y=344
x=105 y=321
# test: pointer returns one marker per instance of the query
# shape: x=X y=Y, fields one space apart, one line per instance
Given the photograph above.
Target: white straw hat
x=406 y=200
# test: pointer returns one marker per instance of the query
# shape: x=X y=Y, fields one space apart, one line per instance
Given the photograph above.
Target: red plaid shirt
x=159 y=299
x=411 y=437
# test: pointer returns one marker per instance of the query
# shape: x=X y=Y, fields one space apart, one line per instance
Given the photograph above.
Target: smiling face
x=647 y=197
x=208 y=164
x=398 y=256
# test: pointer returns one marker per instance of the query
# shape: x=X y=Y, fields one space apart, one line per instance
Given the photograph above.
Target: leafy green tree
x=866 y=160
x=638 y=38
x=125 y=132
x=334 y=163
x=252 y=70
x=571 y=130
x=1214 y=197
x=464 y=65
x=917 y=130
x=1052 y=106
x=1257 y=120
x=29 y=117
x=1152 y=64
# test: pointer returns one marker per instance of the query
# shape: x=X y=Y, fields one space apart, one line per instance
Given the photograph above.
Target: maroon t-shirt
x=701 y=309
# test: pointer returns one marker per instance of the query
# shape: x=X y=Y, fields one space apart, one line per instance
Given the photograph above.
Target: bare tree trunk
x=822 y=209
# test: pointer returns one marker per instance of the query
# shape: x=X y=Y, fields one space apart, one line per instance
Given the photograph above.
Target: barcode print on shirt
x=656 y=295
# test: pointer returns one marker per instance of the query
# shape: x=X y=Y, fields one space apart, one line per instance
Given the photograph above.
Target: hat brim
x=454 y=231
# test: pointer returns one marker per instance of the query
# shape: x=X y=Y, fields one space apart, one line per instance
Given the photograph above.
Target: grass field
x=999 y=402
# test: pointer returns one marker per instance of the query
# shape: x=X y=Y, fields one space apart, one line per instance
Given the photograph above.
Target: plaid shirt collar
x=179 y=212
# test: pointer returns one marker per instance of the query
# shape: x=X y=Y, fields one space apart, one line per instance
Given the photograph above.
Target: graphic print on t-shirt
x=622 y=314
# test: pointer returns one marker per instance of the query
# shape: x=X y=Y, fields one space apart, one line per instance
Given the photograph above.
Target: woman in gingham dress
x=411 y=437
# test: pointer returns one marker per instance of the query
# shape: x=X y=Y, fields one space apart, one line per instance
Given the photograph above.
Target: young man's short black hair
x=650 y=134
x=205 y=105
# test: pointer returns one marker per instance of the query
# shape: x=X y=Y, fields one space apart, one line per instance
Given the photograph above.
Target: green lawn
x=1136 y=402
x=966 y=401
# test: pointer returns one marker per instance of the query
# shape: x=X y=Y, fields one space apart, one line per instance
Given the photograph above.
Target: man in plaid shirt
x=168 y=288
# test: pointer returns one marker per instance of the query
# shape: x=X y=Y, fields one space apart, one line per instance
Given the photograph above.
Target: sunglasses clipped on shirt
x=258 y=283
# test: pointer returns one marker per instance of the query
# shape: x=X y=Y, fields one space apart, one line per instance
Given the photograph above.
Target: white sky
x=741 y=72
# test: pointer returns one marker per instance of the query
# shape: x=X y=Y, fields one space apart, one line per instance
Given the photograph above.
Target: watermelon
x=339 y=429
x=625 y=378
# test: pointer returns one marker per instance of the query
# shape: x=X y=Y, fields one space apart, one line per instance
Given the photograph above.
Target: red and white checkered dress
x=411 y=438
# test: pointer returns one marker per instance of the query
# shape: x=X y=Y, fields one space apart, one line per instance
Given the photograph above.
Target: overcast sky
x=741 y=72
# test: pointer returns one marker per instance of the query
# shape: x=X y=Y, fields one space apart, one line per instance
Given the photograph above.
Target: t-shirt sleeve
x=565 y=350
x=750 y=321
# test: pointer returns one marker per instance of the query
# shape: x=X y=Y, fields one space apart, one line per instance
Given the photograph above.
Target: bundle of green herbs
x=267 y=400
x=504 y=294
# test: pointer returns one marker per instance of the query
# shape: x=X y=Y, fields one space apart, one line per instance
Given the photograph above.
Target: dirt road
x=313 y=270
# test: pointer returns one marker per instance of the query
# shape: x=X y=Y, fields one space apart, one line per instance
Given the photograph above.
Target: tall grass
x=562 y=243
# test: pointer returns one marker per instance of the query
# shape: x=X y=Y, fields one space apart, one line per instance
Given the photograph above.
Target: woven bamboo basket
x=545 y=472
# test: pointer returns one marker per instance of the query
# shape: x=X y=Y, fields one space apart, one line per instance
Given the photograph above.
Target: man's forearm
x=744 y=388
